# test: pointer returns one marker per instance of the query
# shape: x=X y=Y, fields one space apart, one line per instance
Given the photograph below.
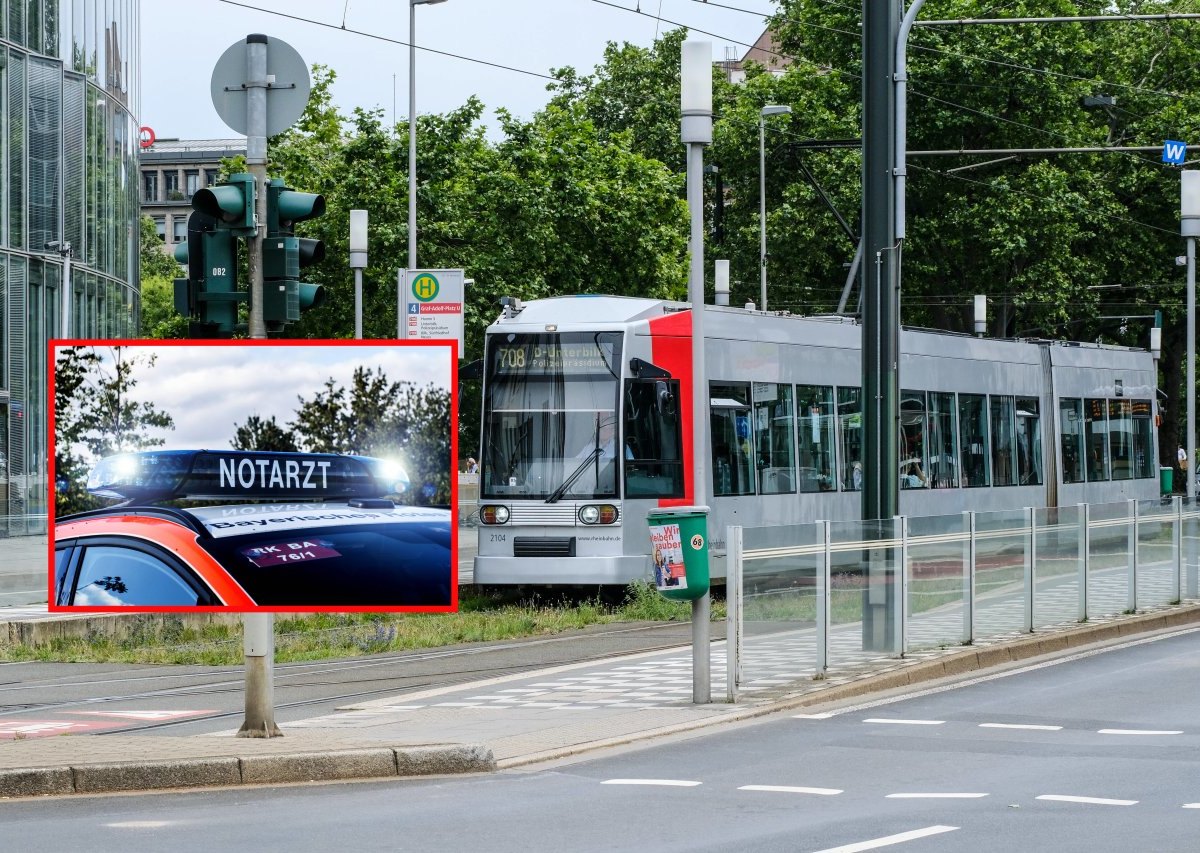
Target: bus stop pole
x=696 y=132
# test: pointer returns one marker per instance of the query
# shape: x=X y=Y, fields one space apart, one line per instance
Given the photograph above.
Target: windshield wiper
x=575 y=475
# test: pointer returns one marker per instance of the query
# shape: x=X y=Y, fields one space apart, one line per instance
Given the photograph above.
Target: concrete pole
x=1189 y=476
x=258 y=628
x=358 y=333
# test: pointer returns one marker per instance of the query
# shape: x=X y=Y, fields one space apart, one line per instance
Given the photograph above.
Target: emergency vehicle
x=321 y=533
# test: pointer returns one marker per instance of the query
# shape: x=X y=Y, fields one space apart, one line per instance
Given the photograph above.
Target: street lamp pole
x=1189 y=227
x=770 y=110
x=696 y=124
x=412 y=128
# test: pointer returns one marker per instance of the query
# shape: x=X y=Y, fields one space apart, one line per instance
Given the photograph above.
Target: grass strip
x=170 y=639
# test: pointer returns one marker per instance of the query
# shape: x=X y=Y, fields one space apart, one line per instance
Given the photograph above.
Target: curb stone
x=310 y=766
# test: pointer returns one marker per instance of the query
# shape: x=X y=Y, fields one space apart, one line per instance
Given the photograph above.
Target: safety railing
x=831 y=597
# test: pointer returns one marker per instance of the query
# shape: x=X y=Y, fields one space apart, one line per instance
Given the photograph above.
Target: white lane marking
x=670 y=783
x=899 y=838
x=1098 y=801
x=790 y=789
x=950 y=795
x=1137 y=732
x=140 y=824
x=1028 y=726
x=1191 y=805
x=905 y=722
x=811 y=716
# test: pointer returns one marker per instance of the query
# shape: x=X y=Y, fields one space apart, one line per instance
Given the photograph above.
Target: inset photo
x=253 y=476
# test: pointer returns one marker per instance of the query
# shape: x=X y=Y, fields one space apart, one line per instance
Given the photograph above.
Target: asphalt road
x=1094 y=753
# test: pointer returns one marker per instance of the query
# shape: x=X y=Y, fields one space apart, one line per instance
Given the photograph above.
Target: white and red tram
x=587 y=410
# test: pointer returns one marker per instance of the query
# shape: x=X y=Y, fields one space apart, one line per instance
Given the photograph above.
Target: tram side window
x=943 y=455
x=1096 y=435
x=816 y=438
x=774 y=436
x=653 y=432
x=850 y=431
x=1003 y=471
x=733 y=454
x=1029 y=442
x=1143 y=440
x=973 y=439
x=912 y=441
x=1120 y=438
x=1070 y=414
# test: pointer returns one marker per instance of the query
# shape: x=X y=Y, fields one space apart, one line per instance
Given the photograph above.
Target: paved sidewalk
x=507 y=721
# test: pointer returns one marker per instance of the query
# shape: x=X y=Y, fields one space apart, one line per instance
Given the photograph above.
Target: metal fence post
x=1131 y=602
x=733 y=611
x=969 y=582
x=824 y=602
x=1085 y=557
x=1030 y=567
x=1177 y=547
x=1191 y=569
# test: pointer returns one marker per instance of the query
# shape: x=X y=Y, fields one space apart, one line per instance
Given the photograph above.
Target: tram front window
x=551 y=429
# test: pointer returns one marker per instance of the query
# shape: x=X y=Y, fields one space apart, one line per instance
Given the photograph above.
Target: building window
x=171 y=185
x=193 y=182
x=150 y=187
x=160 y=228
x=179 y=229
x=210 y=177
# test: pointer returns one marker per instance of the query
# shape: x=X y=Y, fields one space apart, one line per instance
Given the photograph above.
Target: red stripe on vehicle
x=671 y=349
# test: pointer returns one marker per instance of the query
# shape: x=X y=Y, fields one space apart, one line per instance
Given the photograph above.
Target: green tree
x=376 y=416
x=95 y=415
x=257 y=434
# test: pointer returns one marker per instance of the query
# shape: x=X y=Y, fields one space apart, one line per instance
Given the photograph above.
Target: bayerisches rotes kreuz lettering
x=246 y=473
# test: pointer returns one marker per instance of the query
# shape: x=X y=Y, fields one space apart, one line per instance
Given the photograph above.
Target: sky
x=211 y=390
x=181 y=42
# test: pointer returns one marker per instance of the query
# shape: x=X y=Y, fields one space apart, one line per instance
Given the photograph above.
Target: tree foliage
x=373 y=416
x=95 y=416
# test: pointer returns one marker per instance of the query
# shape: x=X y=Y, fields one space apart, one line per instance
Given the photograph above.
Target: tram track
x=360 y=683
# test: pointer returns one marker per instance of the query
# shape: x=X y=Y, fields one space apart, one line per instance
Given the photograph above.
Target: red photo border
x=150 y=344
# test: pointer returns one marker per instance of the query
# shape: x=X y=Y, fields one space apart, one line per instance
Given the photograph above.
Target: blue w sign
x=1173 y=152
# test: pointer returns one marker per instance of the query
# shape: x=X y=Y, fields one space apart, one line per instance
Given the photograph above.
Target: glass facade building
x=68 y=209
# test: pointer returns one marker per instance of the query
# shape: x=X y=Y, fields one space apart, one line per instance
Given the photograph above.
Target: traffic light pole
x=258 y=628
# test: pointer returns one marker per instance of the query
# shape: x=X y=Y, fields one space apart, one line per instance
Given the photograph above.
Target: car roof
x=239 y=519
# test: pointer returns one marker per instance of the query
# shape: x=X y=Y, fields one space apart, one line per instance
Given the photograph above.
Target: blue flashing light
x=244 y=475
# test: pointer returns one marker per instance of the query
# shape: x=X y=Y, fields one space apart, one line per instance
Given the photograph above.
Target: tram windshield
x=551 y=426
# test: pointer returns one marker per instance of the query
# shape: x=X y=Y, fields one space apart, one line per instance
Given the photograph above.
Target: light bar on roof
x=244 y=475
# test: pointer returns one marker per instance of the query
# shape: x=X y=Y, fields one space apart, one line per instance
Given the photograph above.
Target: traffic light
x=209 y=296
x=284 y=255
x=231 y=203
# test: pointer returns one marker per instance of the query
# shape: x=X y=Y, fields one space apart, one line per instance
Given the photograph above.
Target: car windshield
x=320 y=555
x=551 y=416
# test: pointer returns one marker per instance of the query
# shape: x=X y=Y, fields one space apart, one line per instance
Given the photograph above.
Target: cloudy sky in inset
x=212 y=389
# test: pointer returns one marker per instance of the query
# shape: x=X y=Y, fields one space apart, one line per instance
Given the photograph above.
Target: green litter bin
x=679 y=551
x=1166 y=480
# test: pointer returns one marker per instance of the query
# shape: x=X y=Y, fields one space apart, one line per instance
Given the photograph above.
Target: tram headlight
x=493 y=514
x=598 y=514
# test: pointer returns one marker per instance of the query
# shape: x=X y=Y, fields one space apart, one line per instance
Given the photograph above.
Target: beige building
x=765 y=52
x=172 y=171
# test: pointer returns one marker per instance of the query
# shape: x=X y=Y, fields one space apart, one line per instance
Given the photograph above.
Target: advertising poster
x=667 y=545
x=252 y=476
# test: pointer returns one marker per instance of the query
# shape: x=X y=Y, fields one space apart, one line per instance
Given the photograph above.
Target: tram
x=587 y=425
